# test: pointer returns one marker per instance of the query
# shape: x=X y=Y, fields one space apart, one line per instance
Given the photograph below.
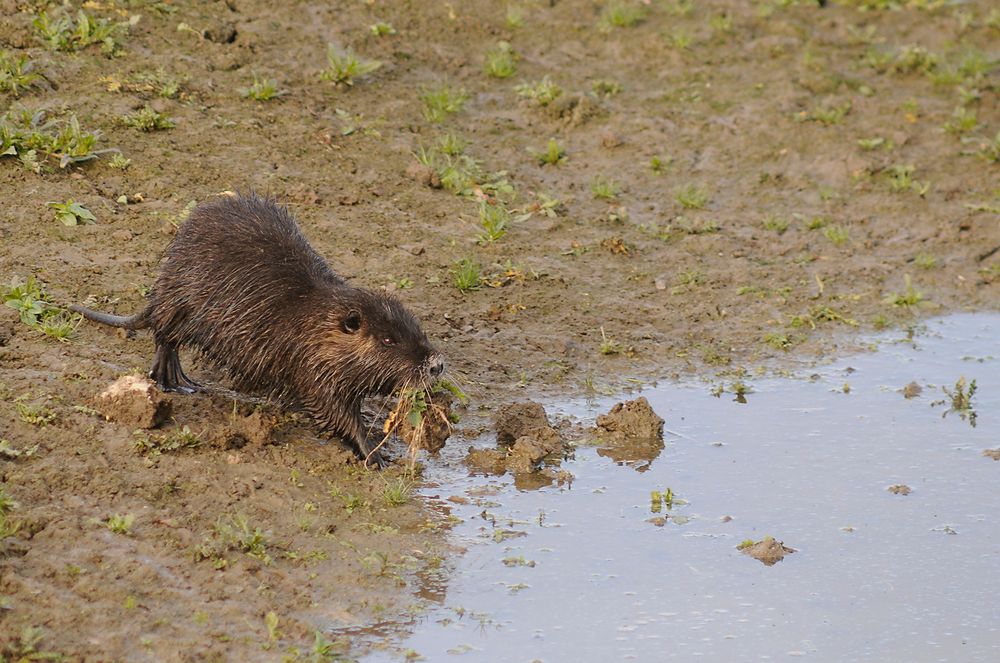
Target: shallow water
x=877 y=576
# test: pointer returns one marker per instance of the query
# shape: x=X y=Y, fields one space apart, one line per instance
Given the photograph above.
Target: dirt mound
x=768 y=551
x=134 y=401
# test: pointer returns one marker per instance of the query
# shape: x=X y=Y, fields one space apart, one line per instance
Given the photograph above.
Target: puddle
x=876 y=576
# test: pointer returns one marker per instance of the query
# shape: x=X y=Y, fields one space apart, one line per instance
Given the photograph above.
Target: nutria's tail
x=138 y=321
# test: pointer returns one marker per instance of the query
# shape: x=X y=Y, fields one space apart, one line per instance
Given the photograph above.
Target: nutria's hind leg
x=167 y=371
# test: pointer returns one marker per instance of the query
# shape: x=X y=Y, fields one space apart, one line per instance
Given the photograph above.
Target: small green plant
x=494 y=218
x=961 y=400
x=466 y=274
x=344 y=66
x=990 y=150
x=830 y=115
x=692 y=197
x=17 y=73
x=659 y=165
x=35 y=310
x=120 y=524
x=963 y=120
x=604 y=188
x=621 y=14
x=397 y=492
x=380 y=29
x=837 y=234
x=778 y=341
x=514 y=17
x=552 y=155
x=63 y=34
x=608 y=345
x=147 y=119
x=441 y=101
x=542 y=92
x=925 y=261
x=501 y=61
x=910 y=297
x=118 y=161
x=605 y=88
x=451 y=144
x=775 y=223
x=23 y=130
x=262 y=89
x=35 y=414
x=236 y=533
x=71 y=213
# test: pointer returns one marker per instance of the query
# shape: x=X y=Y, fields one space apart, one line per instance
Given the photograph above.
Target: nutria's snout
x=435 y=365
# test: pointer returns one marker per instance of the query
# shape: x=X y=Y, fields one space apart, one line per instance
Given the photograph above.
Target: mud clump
x=525 y=439
x=992 y=453
x=912 y=390
x=768 y=551
x=632 y=419
x=430 y=430
x=255 y=429
x=134 y=401
x=631 y=433
x=519 y=419
x=900 y=489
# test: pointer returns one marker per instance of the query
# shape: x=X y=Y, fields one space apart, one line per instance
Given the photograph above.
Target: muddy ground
x=780 y=173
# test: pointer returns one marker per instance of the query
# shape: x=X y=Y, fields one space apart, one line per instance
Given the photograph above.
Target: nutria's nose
x=436 y=366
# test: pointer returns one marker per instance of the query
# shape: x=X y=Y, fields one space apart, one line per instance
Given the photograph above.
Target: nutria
x=240 y=284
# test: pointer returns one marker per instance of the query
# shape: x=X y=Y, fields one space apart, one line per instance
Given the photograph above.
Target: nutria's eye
x=352 y=323
x=388 y=340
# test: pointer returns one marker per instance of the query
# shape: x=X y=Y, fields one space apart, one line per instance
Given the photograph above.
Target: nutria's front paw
x=376 y=460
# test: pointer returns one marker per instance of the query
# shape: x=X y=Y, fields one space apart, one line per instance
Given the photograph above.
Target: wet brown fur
x=241 y=284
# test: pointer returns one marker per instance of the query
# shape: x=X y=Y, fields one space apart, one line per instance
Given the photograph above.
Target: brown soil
x=791 y=234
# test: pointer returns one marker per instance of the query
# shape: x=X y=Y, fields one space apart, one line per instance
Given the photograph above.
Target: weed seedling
x=381 y=29
x=991 y=150
x=910 y=297
x=120 y=524
x=963 y=120
x=925 y=261
x=71 y=213
x=501 y=61
x=604 y=188
x=344 y=66
x=119 y=162
x=23 y=131
x=397 y=492
x=605 y=88
x=494 y=218
x=147 y=119
x=465 y=275
x=837 y=234
x=441 y=101
x=542 y=92
x=621 y=14
x=63 y=34
x=692 y=197
x=961 y=400
x=775 y=223
x=553 y=154
x=608 y=345
x=262 y=89
x=16 y=73
x=514 y=18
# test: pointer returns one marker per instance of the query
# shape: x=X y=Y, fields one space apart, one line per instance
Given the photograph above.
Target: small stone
x=899 y=489
x=912 y=390
x=122 y=235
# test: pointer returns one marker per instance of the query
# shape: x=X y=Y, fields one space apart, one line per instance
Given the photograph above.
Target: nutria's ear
x=352 y=322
